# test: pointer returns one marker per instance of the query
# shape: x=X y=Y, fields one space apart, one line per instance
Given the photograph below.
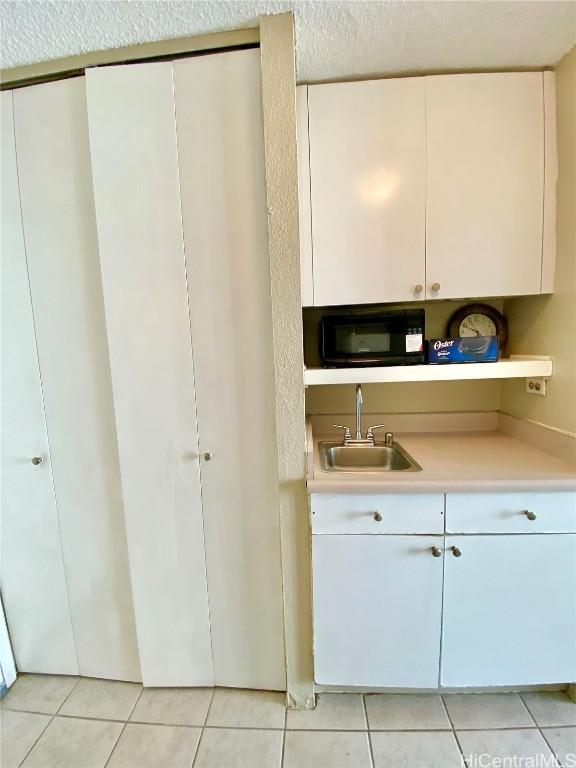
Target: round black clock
x=478 y=320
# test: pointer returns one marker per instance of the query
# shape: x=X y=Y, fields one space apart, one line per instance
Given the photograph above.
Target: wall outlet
x=536 y=386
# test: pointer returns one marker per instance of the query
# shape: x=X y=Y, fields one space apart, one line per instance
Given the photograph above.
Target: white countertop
x=453 y=462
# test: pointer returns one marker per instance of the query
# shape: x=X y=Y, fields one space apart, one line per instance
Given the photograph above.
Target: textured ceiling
x=335 y=39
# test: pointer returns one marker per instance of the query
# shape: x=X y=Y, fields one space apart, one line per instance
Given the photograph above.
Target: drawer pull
x=436 y=552
x=378 y=517
x=530 y=515
x=456 y=552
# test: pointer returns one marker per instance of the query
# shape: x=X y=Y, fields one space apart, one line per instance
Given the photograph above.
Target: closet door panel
x=135 y=169
x=60 y=233
x=32 y=575
x=221 y=155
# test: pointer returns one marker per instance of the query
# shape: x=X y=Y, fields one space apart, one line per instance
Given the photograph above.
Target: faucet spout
x=358 y=411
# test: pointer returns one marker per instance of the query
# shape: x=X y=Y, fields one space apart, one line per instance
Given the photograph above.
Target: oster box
x=468 y=349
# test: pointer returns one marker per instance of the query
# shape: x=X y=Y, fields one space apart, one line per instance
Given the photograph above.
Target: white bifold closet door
x=61 y=253
x=33 y=582
x=178 y=165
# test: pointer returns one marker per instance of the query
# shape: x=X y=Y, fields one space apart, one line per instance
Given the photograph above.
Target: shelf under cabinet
x=515 y=367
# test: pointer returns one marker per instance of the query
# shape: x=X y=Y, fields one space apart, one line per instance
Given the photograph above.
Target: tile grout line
x=52 y=716
x=203 y=728
x=197 y=752
x=70 y=692
x=540 y=731
x=553 y=751
x=462 y=757
x=370 y=748
x=124 y=726
x=197 y=747
x=284 y=736
x=209 y=709
x=38 y=739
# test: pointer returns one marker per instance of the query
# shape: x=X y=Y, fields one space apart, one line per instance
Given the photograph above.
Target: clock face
x=477 y=324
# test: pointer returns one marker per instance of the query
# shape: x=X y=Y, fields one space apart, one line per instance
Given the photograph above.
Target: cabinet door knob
x=435 y=286
x=207 y=456
x=530 y=515
x=37 y=460
x=418 y=288
x=456 y=552
x=436 y=552
x=378 y=517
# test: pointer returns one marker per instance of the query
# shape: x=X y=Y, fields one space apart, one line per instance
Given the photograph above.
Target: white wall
x=546 y=325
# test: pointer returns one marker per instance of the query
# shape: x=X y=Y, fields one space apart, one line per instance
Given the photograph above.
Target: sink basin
x=379 y=457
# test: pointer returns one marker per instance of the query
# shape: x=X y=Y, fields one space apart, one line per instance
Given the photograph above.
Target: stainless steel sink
x=379 y=457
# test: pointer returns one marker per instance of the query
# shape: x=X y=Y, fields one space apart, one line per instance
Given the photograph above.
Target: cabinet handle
x=418 y=288
x=435 y=286
x=530 y=515
x=37 y=460
x=207 y=456
x=436 y=552
x=456 y=552
x=378 y=517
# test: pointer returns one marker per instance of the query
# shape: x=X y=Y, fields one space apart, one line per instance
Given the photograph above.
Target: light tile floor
x=64 y=722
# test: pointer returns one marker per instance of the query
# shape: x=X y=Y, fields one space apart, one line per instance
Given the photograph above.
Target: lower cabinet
x=377 y=610
x=509 y=610
x=494 y=606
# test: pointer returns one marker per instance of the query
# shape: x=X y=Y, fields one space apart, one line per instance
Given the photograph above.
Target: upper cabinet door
x=367 y=182
x=485 y=184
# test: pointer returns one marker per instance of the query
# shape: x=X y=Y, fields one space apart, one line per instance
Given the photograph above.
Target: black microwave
x=395 y=337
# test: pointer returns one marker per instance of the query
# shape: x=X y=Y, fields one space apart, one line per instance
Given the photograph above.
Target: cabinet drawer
x=511 y=512
x=377 y=513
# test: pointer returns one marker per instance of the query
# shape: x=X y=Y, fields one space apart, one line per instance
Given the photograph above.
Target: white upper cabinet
x=433 y=187
x=367 y=190
x=485 y=184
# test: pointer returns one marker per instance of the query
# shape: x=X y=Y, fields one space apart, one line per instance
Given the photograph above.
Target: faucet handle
x=389 y=438
x=347 y=432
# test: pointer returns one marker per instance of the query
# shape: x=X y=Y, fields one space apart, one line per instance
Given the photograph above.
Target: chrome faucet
x=358 y=439
x=359 y=402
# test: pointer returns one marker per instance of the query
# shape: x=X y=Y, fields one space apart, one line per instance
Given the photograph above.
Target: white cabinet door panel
x=509 y=610
x=511 y=512
x=367 y=169
x=33 y=580
x=397 y=513
x=221 y=157
x=135 y=168
x=305 y=221
x=377 y=610
x=485 y=184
